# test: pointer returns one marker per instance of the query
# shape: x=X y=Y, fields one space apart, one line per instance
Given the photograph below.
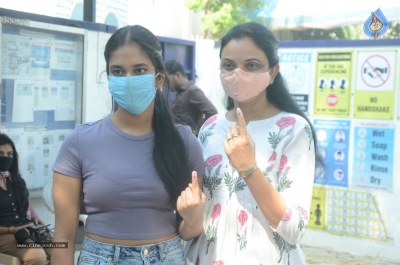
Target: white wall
x=41 y=7
x=96 y=97
x=61 y=9
x=64 y=8
x=207 y=71
x=117 y=7
x=164 y=18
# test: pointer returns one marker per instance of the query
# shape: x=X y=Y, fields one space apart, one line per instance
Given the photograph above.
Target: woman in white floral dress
x=260 y=159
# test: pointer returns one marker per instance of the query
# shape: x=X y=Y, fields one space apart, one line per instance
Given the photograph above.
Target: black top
x=10 y=212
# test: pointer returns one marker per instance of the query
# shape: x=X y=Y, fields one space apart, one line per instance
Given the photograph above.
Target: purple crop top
x=123 y=194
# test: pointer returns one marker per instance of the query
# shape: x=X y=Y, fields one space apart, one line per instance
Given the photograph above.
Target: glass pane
x=41 y=101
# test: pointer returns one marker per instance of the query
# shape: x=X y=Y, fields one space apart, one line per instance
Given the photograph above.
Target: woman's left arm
x=190 y=206
x=34 y=217
x=191 y=203
x=286 y=210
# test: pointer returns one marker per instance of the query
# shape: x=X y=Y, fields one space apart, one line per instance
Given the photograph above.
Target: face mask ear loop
x=155 y=78
x=272 y=81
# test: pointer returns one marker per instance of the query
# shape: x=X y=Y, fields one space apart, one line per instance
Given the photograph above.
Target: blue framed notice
x=333 y=145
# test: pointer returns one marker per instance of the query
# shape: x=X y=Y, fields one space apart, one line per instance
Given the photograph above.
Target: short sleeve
x=195 y=152
x=68 y=160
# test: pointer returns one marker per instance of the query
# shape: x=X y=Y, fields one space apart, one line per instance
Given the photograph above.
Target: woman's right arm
x=67 y=198
x=12 y=230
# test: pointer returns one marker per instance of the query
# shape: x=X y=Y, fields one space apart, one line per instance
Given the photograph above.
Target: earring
x=271 y=82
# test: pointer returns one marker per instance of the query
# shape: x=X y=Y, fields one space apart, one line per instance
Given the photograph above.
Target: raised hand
x=239 y=146
x=190 y=205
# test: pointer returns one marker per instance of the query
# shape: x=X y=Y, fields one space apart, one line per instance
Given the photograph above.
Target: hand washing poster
x=373 y=156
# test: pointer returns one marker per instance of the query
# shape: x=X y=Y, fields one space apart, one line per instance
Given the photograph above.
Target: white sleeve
x=295 y=182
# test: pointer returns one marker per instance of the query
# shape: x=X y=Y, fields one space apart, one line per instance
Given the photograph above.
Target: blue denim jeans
x=164 y=253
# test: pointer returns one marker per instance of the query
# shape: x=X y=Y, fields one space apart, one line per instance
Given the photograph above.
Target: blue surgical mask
x=133 y=93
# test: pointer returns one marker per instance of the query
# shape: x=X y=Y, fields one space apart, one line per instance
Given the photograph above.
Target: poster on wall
x=333 y=145
x=318 y=209
x=354 y=213
x=16 y=54
x=38 y=150
x=346 y=212
x=374 y=96
x=332 y=84
x=296 y=68
x=373 y=156
x=398 y=100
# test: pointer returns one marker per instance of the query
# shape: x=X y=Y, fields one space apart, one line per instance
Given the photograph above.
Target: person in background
x=190 y=100
x=260 y=158
x=186 y=120
x=16 y=211
x=134 y=168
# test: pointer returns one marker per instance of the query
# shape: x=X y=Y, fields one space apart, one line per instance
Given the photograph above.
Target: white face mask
x=241 y=85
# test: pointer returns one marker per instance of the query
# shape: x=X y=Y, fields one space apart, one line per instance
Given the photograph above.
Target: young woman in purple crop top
x=135 y=168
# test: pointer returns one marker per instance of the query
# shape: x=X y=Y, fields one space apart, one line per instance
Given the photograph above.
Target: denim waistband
x=117 y=251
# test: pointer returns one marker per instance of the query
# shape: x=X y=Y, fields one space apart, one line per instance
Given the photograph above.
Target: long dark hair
x=277 y=93
x=170 y=158
x=18 y=183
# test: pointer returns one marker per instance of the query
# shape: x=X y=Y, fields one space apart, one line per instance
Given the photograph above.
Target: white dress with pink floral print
x=235 y=229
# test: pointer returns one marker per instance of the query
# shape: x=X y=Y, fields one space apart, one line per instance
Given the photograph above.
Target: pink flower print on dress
x=212 y=161
x=304 y=212
x=242 y=217
x=285 y=122
x=275 y=137
x=210 y=120
x=287 y=215
x=218 y=262
x=216 y=211
x=272 y=157
x=283 y=163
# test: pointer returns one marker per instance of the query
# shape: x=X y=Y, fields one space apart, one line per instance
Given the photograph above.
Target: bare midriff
x=130 y=242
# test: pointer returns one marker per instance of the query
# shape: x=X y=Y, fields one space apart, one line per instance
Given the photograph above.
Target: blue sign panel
x=333 y=145
x=373 y=156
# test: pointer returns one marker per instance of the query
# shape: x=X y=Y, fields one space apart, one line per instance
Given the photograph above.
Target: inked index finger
x=241 y=122
x=195 y=183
